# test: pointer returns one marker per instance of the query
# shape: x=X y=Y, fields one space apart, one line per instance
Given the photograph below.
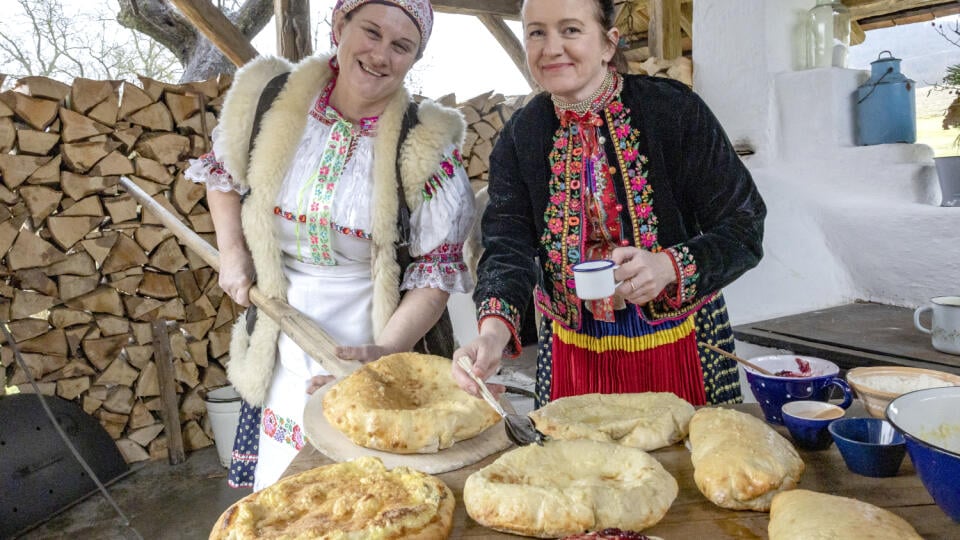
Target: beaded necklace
x=600 y=96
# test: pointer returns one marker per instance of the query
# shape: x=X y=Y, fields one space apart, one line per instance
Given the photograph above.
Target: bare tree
x=39 y=37
x=200 y=59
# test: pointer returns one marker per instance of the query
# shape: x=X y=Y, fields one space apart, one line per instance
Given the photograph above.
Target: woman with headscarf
x=629 y=168
x=310 y=211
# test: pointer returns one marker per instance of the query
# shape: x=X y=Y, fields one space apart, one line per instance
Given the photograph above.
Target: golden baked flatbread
x=800 y=514
x=567 y=487
x=647 y=421
x=739 y=462
x=406 y=403
x=354 y=500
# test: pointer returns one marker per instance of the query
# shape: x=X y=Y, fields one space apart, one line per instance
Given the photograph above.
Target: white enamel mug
x=594 y=279
x=945 y=330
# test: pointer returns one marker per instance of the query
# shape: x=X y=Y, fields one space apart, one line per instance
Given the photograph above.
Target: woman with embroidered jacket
x=319 y=224
x=608 y=166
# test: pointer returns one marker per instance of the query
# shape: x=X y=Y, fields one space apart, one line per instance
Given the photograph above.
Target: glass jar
x=828 y=34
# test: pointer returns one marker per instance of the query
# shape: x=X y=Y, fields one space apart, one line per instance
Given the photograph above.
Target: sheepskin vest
x=252 y=357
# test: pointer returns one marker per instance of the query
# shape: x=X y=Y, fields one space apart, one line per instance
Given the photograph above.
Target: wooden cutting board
x=336 y=446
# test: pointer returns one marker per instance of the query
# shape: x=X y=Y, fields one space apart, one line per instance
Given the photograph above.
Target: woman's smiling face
x=567 y=47
x=378 y=45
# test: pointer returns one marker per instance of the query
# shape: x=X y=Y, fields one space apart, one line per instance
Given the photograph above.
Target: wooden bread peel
x=314 y=341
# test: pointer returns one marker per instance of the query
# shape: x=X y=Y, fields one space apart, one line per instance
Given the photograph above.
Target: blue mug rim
x=578 y=267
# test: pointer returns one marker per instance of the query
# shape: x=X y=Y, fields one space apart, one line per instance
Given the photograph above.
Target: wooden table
x=693 y=516
x=853 y=335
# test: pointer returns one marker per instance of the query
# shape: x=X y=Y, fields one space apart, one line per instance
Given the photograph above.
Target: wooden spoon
x=747 y=363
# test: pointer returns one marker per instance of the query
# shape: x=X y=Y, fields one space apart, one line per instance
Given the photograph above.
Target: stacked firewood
x=680 y=68
x=84 y=270
x=485 y=115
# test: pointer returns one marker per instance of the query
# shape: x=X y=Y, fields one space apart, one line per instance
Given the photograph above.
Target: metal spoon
x=519 y=427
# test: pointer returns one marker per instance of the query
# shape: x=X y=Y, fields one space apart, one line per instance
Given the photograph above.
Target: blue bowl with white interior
x=930 y=421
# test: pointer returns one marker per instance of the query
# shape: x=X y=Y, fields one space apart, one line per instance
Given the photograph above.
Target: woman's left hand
x=363 y=353
x=643 y=274
x=318 y=381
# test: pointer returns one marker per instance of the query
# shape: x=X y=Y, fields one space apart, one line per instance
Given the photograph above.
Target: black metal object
x=39 y=476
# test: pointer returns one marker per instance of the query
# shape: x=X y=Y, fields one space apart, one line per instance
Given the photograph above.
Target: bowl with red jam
x=794 y=378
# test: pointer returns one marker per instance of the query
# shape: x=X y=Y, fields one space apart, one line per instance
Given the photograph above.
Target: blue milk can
x=886 y=104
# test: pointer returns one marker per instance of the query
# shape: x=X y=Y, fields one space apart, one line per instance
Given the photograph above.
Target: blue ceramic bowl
x=930 y=421
x=807 y=422
x=869 y=446
x=772 y=391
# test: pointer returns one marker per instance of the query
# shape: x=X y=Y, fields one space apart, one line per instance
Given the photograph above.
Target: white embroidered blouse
x=324 y=207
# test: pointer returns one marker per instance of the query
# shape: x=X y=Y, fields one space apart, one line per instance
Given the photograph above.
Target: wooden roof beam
x=507 y=9
x=909 y=16
x=508 y=40
x=213 y=24
x=865 y=9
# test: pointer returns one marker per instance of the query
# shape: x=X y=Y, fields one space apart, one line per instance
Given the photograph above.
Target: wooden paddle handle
x=314 y=341
x=747 y=363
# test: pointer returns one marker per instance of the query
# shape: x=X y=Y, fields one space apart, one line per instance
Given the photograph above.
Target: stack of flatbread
x=567 y=487
x=406 y=403
x=647 y=421
x=739 y=461
x=800 y=515
x=354 y=499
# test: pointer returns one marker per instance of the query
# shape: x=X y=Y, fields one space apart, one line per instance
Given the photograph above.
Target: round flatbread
x=567 y=487
x=354 y=500
x=406 y=403
x=647 y=421
x=800 y=514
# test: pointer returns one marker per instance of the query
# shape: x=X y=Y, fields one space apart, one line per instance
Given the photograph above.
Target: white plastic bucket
x=223 y=408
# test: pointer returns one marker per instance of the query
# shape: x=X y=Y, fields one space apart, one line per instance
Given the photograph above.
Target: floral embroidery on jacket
x=282 y=430
x=563 y=237
x=508 y=313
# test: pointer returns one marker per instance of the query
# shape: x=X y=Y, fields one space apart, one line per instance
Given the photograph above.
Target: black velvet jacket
x=704 y=202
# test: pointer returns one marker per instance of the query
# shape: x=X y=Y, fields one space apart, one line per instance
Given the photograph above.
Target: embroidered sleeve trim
x=446 y=172
x=509 y=314
x=674 y=303
x=442 y=268
x=209 y=170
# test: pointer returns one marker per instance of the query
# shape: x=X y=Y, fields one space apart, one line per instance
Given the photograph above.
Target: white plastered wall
x=845 y=222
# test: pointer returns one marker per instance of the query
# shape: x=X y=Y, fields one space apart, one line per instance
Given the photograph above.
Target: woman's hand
x=485 y=353
x=363 y=353
x=318 y=381
x=236 y=274
x=644 y=274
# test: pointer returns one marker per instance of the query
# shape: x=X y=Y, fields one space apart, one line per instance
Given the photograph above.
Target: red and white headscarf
x=421 y=11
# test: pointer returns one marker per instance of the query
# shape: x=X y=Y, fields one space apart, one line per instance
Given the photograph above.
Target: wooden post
x=213 y=24
x=170 y=405
x=664 y=30
x=508 y=40
x=293 y=29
